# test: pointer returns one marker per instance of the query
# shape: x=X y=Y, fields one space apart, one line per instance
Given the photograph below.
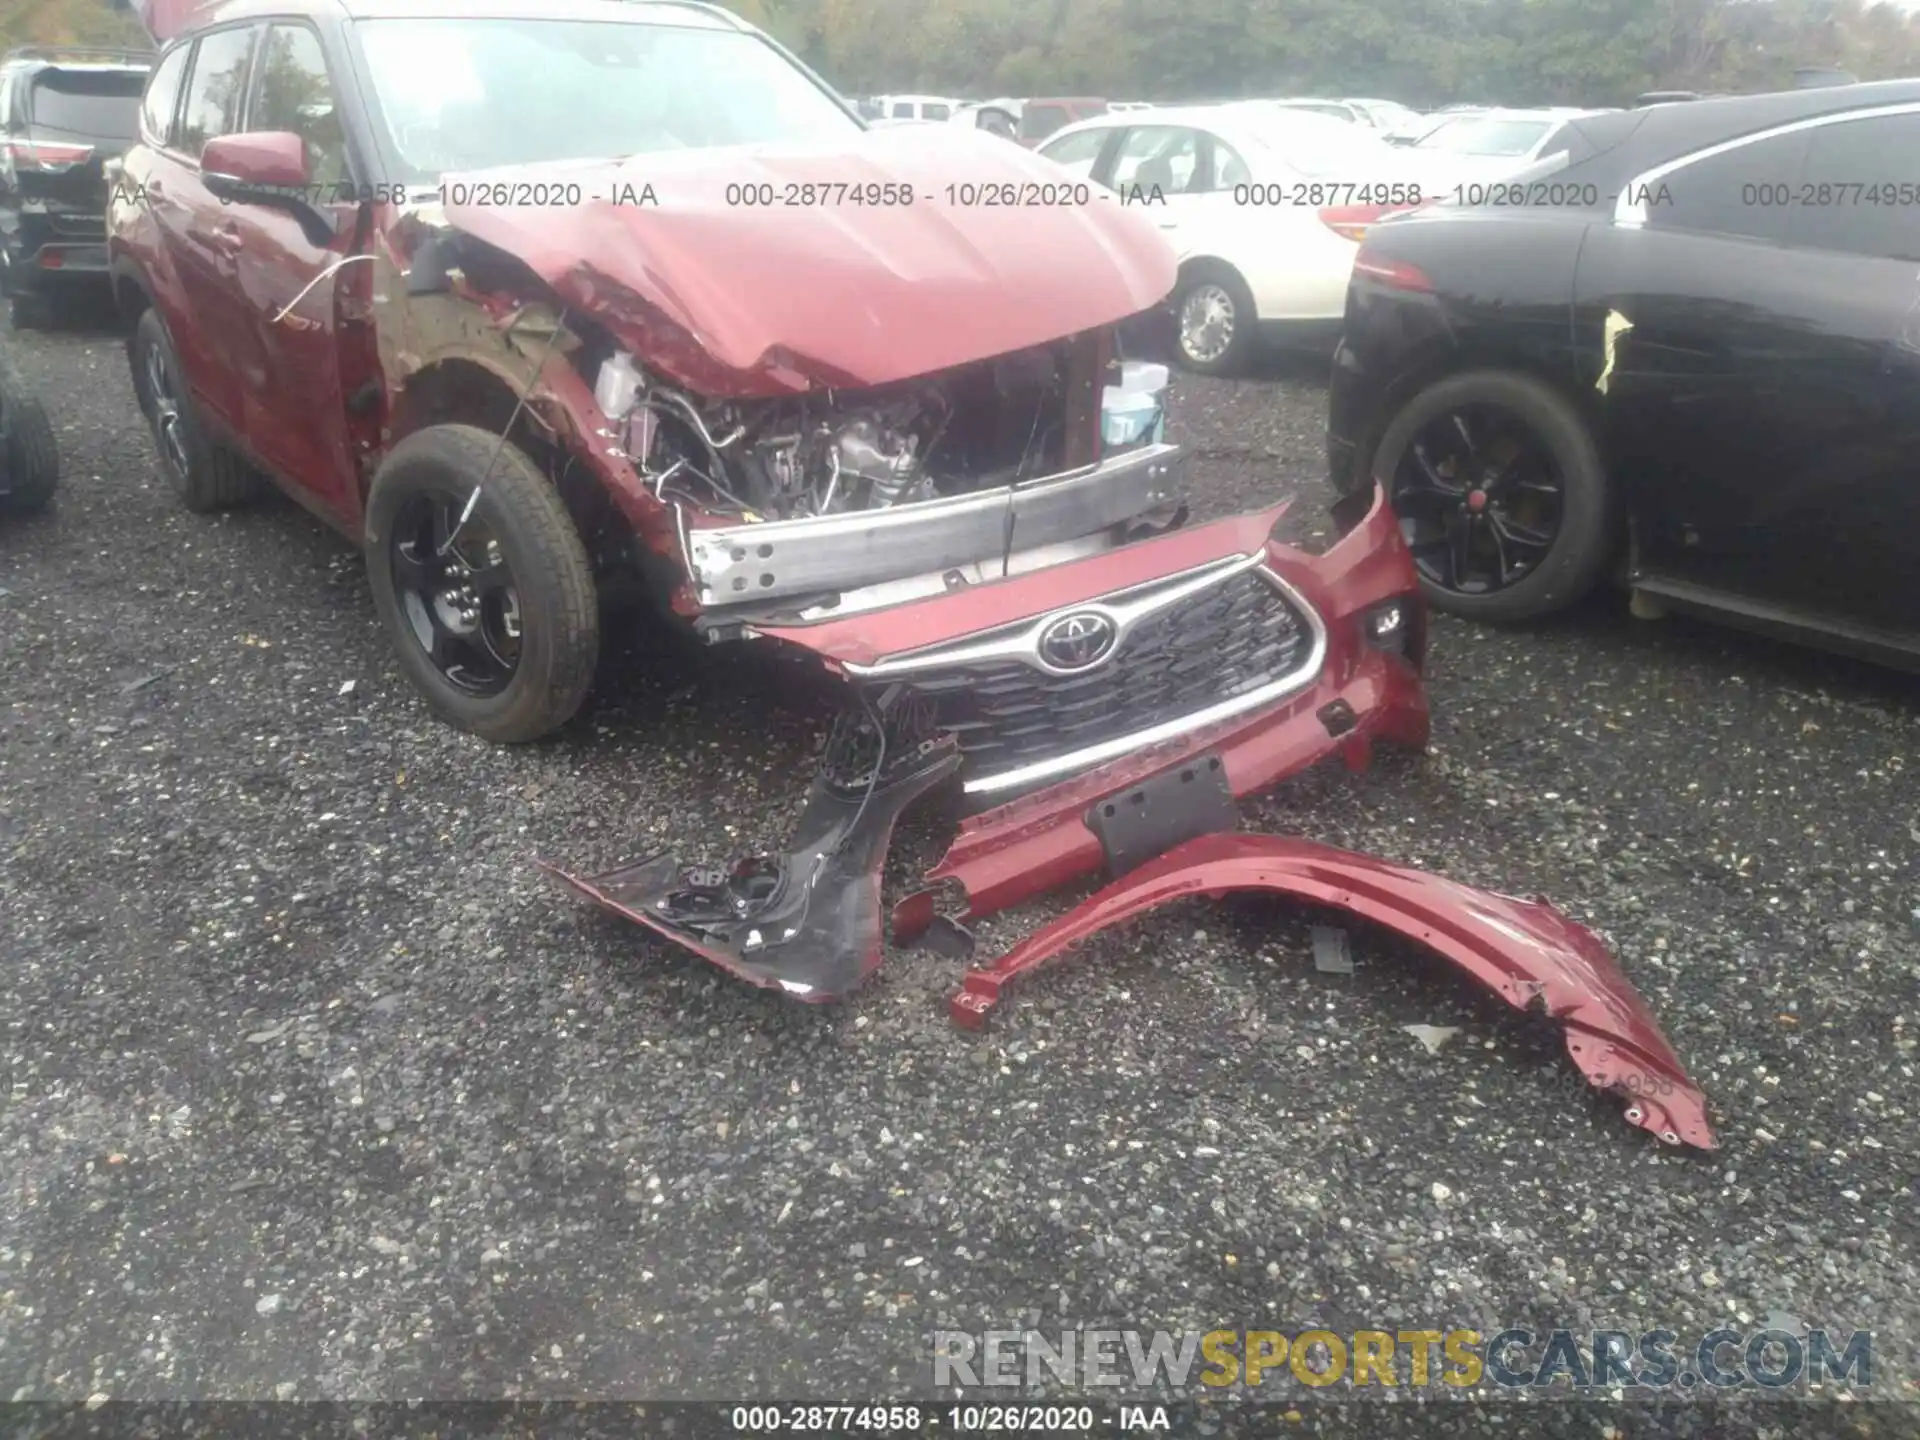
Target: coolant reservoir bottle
x=1134 y=412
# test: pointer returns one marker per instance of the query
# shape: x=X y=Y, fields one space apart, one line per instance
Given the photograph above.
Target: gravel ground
x=315 y=1088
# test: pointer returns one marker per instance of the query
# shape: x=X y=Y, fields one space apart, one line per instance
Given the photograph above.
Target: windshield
x=98 y=105
x=1315 y=146
x=1389 y=114
x=524 y=92
x=1480 y=136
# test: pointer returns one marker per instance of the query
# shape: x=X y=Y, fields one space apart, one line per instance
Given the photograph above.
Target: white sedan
x=1492 y=144
x=1266 y=209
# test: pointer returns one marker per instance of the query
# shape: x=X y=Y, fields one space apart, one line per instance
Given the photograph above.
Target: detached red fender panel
x=1523 y=950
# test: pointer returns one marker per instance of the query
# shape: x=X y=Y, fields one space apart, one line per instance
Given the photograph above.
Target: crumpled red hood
x=741 y=298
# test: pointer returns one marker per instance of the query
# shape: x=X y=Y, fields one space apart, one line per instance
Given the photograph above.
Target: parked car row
x=1731 y=427
x=1029 y=121
x=1266 y=204
x=1695 y=365
x=1265 y=208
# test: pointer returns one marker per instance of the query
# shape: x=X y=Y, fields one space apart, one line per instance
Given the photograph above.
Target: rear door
x=199 y=234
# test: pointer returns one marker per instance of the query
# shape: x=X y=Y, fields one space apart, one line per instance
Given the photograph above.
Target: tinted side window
x=293 y=93
x=1742 y=192
x=156 y=111
x=218 y=87
x=938 y=112
x=1165 y=157
x=1856 y=194
x=903 y=111
x=1229 y=169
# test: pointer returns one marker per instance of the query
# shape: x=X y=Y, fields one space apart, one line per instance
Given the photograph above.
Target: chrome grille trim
x=1020 y=643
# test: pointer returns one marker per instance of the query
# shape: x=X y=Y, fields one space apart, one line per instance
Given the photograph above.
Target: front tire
x=1215 y=324
x=495 y=620
x=205 y=475
x=1501 y=494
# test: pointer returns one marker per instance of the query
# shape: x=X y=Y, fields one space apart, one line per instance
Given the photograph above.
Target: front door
x=202 y=241
x=1842 y=492
x=1672 y=318
x=291 y=282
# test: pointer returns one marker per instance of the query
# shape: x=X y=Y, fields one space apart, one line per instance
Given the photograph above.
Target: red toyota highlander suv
x=532 y=300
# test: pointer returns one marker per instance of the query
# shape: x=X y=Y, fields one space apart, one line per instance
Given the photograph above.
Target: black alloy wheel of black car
x=1501 y=496
x=483 y=583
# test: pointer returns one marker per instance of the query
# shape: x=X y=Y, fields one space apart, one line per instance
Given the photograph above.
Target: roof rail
x=79 y=53
x=718 y=12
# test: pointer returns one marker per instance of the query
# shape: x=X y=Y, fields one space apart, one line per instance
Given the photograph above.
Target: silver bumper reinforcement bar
x=744 y=563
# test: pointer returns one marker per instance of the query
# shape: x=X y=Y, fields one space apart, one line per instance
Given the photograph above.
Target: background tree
x=1425 y=52
x=67 y=22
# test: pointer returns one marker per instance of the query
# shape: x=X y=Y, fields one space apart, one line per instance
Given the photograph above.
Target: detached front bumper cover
x=825 y=888
x=1525 y=951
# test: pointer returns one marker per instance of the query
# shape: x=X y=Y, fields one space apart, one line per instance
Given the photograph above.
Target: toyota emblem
x=1078 y=641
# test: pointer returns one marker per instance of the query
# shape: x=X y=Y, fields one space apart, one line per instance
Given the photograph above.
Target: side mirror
x=265 y=166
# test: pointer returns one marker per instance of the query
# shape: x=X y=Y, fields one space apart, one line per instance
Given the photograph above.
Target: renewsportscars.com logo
x=1141 y=1361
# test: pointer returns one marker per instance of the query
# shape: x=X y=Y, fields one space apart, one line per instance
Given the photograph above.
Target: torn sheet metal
x=1525 y=951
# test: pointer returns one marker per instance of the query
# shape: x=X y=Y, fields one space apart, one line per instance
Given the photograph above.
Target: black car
x=63 y=114
x=1685 y=351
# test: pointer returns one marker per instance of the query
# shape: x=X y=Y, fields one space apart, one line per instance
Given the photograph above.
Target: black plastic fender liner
x=808 y=921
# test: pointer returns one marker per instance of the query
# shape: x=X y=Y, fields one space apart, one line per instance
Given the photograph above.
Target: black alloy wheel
x=1501 y=494
x=456 y=592
x=1480 y=499
x=482 y=582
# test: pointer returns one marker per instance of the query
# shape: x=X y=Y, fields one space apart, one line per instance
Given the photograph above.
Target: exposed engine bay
x=980 y=427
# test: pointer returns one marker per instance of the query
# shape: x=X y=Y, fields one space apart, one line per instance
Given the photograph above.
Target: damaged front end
x=993 y=557
x=1095 y=712
x=989 y=550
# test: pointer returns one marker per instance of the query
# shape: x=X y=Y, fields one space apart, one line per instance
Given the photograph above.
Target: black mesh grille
x=1227 y=640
